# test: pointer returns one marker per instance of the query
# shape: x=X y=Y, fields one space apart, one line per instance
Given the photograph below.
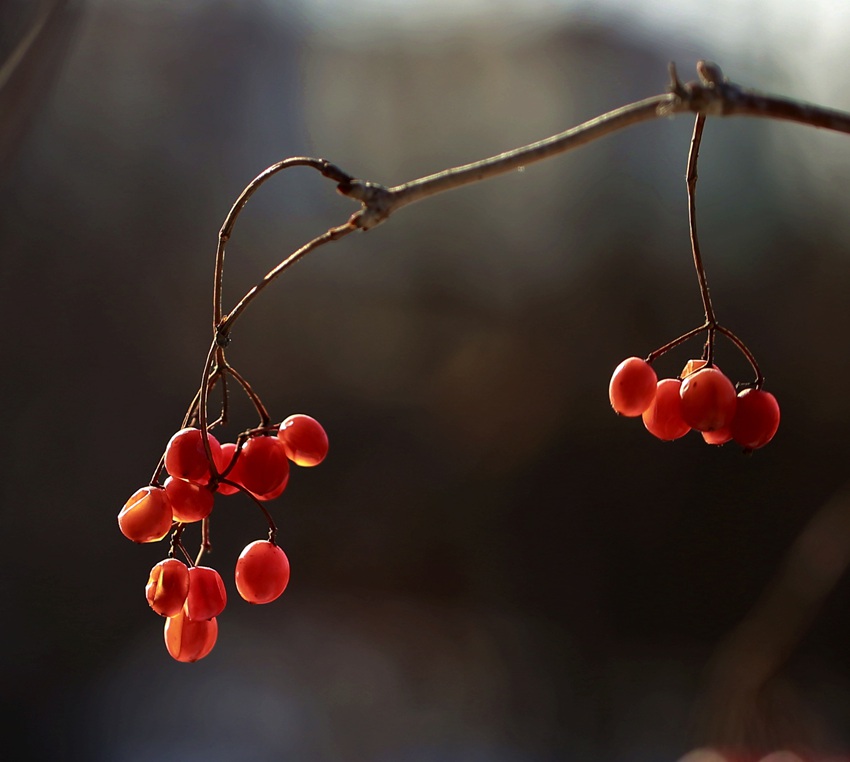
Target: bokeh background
x=490 y=566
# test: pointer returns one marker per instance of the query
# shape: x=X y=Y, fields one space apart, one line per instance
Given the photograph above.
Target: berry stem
x=655 y=354
x=744 y=351
x=691 y=178
x=206 y=543
x=320 y=165
x=333 y=234
x=265 y=418
x=209 y=377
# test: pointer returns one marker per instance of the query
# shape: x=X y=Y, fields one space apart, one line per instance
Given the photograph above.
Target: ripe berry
x=188 y=640
x=718 y=436
x=304 y=439
x=708 y=400
x=227 y=451
x=207 y=596
x=262 y=467
x=146 y=516
x=262 y=572
x=632 y=387
x=168 y=586
x=186 y=458
x=756 y=419
x=189 y=502
x=663 y=418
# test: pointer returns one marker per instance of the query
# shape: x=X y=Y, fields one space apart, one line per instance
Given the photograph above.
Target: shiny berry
x=262 y=572
x=632 y=387
x=146 y=516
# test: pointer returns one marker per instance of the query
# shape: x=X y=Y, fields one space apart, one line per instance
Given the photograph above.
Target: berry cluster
x=189 y=595
x=701 y=398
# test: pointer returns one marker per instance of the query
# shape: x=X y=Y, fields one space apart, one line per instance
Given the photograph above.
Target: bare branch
x=712 y=95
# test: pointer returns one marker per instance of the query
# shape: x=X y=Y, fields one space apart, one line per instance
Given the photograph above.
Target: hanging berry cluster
x=702 y=397
x=197 y=469
x=189 y=595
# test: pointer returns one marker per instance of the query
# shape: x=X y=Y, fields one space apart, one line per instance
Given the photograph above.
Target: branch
x=712 y=95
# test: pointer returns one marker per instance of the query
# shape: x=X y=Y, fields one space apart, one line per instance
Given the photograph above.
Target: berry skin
x=262 y=572
x=146 y=516
x=718 y=436
x=305 y=440
x=189 y=502
x=188 y=640
x=756 y=419
x=168 y=586
x=708 y=400
x=663 y=418
x=632 y=387
x=186 y=458
x=227 y=451
x=262 y=467
x=207 y=596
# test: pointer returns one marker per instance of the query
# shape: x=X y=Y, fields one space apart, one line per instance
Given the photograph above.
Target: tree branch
x=712 y=95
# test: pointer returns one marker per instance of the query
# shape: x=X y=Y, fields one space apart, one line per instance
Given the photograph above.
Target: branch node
x=377 y=201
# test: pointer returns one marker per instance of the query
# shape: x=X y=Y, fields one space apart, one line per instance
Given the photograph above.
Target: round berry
x=756 y=419
x=708 y=400
x=663 y=418
x=168 y=586
x=262 y=467
x=632 y=387
x=146 y=516
x=262 y=572
x=718 y=436
x=186 y=457
x=189 y=501
x=304 y=439
x=228 y=449
x=188 y=640
x=207 y=596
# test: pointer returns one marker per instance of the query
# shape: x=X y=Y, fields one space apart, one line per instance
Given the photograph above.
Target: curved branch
x=712 y=95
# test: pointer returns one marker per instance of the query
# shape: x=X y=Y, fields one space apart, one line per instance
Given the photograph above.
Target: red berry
x=146 y=516
x=168 y=586
x=262 y=572
x=207 y=596
x=632 y=387
x=663 y=418
x=189 y=501
x=305 y=440
x=718 y=436
x=708 y=400
x=756 y=419
x=262 y=467
x=228 y=449
x=188 y=640
x=186 y=457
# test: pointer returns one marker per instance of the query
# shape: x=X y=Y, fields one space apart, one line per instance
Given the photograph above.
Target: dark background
x=490 y=565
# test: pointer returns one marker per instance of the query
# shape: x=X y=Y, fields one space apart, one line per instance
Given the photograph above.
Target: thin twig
x=691 y=179
x=334 y=234
x=265 y=418
x=711 y=96
x=320 y=165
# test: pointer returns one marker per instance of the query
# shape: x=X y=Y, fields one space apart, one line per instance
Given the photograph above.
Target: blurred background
x=490 y=566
